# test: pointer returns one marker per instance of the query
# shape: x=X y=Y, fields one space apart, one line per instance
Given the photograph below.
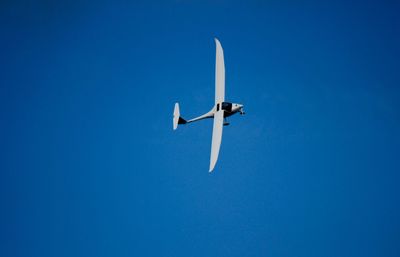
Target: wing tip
x=212 y=166
x=217 y=42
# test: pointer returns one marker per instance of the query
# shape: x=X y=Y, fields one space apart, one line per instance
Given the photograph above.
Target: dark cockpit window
x=217 y=107
x=227 y=106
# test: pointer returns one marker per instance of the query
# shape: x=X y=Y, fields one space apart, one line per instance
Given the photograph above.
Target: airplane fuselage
x=228 y=108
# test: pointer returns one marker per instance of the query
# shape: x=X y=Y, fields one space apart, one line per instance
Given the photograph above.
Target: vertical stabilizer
x=177 y=117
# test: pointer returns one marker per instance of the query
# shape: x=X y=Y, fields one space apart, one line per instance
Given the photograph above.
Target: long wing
x=216 y=138
x=219 y=74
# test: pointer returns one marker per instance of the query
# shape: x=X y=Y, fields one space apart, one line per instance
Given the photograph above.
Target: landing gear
x=226 y=123
x=242 y=112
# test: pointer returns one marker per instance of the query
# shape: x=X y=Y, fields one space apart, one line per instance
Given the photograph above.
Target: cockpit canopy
x=225 y=106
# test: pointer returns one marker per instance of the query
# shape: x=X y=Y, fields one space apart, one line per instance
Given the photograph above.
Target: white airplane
x=219 y=112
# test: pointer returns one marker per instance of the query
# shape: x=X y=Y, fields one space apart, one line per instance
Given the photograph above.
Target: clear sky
x=90 y=165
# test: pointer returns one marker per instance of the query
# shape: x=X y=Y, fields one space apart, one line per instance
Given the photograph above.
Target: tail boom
x=179 y=120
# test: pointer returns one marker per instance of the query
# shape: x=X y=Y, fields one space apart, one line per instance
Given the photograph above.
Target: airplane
x=219 y=112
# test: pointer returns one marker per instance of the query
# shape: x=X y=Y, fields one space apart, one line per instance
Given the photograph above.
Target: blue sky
x=90 y=165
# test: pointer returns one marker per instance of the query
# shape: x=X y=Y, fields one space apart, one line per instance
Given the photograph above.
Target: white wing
x=219 y=74
x=216 y=138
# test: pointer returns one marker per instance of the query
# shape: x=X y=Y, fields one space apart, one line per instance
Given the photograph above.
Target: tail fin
x=177 y=117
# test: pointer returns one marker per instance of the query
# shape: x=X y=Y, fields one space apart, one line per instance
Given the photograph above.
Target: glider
x=219 y=112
